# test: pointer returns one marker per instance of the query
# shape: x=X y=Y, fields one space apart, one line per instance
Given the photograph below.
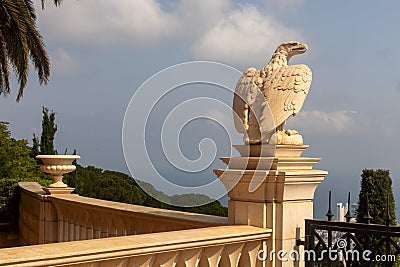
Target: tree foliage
x=49 y=129
x=21 y=42
x=115 y=186
x=16 y=165
x=377 y=184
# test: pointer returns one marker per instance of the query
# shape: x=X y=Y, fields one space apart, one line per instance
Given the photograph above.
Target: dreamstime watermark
x=161 y=143
x=338 y=254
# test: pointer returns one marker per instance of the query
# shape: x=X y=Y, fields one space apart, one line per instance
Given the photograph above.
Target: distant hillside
x=115 y=186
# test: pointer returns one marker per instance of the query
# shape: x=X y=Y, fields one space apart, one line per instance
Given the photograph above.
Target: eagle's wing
x=245 y=94
x=286 y=89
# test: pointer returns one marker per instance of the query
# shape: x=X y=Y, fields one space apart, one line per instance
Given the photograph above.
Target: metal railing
x=335 y=243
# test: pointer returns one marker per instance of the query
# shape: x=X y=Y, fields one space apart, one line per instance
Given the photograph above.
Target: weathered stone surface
x=58 y=165
x=283 y=195
x=70 y=217
x=264 y=99
x=195 y=247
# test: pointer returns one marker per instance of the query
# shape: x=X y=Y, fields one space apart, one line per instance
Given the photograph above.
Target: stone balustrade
x=69 y=217
x=213 y=246
x=104 y=233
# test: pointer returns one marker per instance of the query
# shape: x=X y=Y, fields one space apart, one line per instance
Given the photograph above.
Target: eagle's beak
x=300 y=48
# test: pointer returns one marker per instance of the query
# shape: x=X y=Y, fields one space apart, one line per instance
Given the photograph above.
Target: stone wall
x=70 y=217
x=37 y=216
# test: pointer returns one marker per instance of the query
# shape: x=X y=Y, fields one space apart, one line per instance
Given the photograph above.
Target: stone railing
x=69 y=217
x=212 y=246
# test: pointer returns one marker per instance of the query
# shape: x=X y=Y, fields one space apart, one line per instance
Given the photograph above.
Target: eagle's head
x=290 y=49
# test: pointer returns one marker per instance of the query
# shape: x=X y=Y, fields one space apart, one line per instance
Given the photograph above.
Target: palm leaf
x=20 y=41
x=56 y=3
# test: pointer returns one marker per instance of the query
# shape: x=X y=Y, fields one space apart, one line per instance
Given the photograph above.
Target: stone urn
x=58 y=165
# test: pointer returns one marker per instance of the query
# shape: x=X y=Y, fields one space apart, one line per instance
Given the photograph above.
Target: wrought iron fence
x=334 y=243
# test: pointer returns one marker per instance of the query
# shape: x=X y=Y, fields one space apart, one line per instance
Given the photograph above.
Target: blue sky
x=102 y=51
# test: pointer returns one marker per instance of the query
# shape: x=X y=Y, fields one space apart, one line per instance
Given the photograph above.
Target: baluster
x=89 y=225
x=148 y=228
x=167 y=259
x=132 y=230
x=60 y=234
x=82 y=233
x=142 y=261
x=89 y=231
x=127 y=227
x=139 y=227
x=77 y=231
x=60 y=218
x=211 y=256
x=71 y=231
x=112 y=230
x=83 y=225
x=103 y=227
x=190 y=258
x=96 y=231
x=111 y=263
x=104 y=232
x=231 y=254
x=119 y=226
x=96 y=225
x=181 y=262
x=249 y=254
x=66 y=230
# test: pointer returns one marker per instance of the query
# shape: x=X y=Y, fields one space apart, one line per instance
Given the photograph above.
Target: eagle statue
x=264 y=99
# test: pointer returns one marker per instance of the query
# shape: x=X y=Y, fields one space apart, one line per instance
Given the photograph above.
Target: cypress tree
x=35 y=146
x=377 y=184
x=49 y=129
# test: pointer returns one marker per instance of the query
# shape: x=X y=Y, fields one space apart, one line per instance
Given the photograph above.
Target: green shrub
x=16 y=165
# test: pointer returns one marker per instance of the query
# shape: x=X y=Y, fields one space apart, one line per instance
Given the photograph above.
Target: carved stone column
x=283 y=199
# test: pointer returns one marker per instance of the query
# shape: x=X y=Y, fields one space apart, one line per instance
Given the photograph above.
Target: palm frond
x=4 y=71
x=31 y=8
x=20 y=41
x=56 y=3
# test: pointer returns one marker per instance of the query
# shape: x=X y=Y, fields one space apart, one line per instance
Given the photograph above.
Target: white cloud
x=242 y=36
x=197 y=17
x=62 y=63
x=336 y=122
x=218 y=30
x=141 y=22
x=284 y=4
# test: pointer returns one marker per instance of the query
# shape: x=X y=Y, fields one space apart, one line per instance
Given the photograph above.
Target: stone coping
x=297 y=174
x=67 y=253
x=117 y=207
x=33 y=188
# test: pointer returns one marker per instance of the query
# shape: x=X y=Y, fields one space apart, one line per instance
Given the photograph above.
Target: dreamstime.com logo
x=330 y=254
x=167 y=131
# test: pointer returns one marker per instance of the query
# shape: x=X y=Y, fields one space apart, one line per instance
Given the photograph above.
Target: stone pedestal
x=58 y=190
x=280 y=199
